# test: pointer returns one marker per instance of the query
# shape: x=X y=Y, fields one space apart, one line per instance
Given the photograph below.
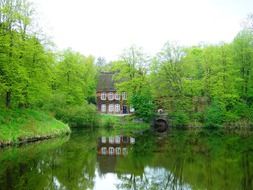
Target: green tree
x=167 y=77
x=131 y=76
x=24 y=62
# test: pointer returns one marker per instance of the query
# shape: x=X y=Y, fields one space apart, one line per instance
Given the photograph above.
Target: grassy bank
x=24 y=125
x=122 y=123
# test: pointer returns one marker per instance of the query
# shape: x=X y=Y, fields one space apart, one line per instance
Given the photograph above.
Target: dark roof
x=105 y=82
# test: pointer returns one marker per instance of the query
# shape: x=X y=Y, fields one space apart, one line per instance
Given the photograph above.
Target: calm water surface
x=89 y=160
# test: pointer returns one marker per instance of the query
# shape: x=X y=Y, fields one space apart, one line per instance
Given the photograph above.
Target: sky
x=106 y=27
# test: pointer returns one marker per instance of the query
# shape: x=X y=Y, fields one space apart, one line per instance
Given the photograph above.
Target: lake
x=91 y=159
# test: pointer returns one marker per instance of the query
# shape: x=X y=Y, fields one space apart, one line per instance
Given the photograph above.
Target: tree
x=131 y=76
x=243 y=57
x=15 y=18
x=75 y=77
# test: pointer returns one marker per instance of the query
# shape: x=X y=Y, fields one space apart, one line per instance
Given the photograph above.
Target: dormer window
x=124 y=96
x=117 y=96
x=110 y=96
x=103 y=96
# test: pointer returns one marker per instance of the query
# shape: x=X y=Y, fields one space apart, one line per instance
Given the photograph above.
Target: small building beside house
x=108 y=99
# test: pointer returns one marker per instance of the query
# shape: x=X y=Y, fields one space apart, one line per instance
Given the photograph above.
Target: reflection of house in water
x=112 y=151
x=117 y=145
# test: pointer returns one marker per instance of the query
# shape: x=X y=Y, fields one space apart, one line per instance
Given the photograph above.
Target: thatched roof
x=105 y=82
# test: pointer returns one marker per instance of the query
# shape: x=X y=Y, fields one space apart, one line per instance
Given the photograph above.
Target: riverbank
x=26 y=125
x=122 y=123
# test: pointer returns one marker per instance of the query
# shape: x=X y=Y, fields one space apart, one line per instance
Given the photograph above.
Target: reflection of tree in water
x=152 y=178
x=189 y=161
x=75 y=163
x=28 y=167
x=50 y=165
x=204 y=162
x=142 y=169
x=247 y=175
x=211 y=161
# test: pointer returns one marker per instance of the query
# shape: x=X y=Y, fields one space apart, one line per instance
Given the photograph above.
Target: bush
x=143 y=105
x=215 y=115
x=251 y=113
x=231 y=117
x=198 y=116
x=179 y=119
x=244 y=111
x=78 y=116
x=75 y=115
x=108 y=121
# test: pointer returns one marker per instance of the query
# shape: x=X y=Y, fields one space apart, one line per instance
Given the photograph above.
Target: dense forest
x=32 y=75
x=204 y=85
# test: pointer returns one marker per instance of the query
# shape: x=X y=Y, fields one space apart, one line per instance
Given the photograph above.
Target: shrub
x=144 y=107
x=108 y=121
x=244 y=111
x=74 y=114
x=179 y=119
x=215 y=114
x=78 y=115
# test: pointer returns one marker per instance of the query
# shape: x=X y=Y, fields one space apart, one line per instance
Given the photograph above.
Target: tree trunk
x=8 y=99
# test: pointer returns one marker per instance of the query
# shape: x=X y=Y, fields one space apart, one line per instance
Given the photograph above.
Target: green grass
x=20 y=124
x=121 y=123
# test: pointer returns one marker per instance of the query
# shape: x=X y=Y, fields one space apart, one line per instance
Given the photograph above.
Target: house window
x=117 y=108
x=117 y=96
x=103 y=107
x=104 y=150
x=118 y=151
x=124 y=96
x=111 y=107
x=103 y=96
x=117 y=139
x=111 y=140
x=125 y=139
x=110 y=96
x=103 y=139
x=111 y=150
